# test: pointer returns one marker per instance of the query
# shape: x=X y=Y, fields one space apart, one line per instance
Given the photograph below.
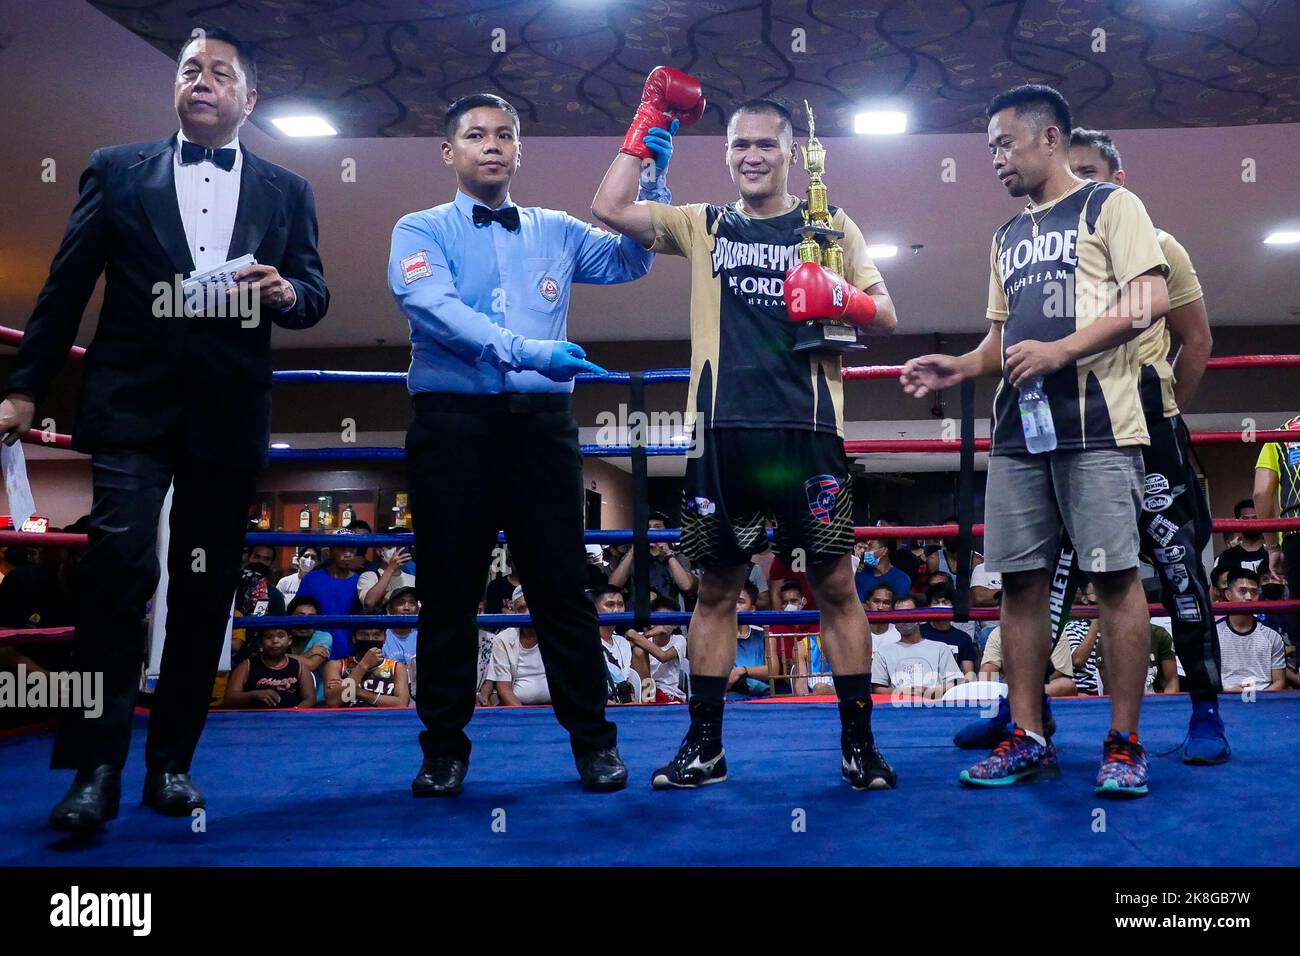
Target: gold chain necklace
x=743 y=207
x=1033 y=220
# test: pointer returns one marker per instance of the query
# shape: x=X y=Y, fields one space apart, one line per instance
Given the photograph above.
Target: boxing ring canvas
x=331 y=788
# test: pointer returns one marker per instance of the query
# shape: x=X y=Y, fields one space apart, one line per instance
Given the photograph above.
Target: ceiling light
x=882 y=252
x=304 y=126
x=1284 y=237
x=879 y=123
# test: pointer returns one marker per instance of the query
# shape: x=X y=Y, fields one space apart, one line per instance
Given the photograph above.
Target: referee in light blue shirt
x=493 y=444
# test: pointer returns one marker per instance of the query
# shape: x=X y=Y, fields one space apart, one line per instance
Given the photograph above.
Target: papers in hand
x=14 y=464
x=206 y=291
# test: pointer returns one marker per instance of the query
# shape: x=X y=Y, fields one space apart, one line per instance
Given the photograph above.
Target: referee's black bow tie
x=507 y=216
x=194 y=153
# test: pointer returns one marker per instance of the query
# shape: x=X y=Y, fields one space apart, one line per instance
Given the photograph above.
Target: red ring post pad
x=35 y=635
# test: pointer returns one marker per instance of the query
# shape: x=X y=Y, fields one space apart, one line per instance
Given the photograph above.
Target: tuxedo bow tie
x=508 y=217
x=194 y=153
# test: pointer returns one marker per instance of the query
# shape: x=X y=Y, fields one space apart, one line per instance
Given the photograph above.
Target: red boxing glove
x=814 y=292
x=668 y=94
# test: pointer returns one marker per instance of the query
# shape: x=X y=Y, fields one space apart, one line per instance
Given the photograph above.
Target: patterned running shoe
x=1016 y=757
x=1123 y=770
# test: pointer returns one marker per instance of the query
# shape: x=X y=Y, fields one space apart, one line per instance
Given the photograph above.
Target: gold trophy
x=821 y=245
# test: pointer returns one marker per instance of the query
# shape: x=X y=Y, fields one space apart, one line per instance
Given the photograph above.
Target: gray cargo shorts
x=1095 y=493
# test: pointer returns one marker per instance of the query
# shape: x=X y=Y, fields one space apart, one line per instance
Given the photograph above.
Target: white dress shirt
x=208 y=198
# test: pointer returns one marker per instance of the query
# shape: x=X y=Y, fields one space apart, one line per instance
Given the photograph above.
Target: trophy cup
x=820 y=244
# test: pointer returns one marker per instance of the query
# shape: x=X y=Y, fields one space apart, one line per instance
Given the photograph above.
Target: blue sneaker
x=1206 y=741
x=1016 y=757
x=985 y=733
x=1123 y=771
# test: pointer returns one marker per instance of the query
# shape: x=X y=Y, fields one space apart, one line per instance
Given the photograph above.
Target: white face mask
x=306 y=563
x=793 y=607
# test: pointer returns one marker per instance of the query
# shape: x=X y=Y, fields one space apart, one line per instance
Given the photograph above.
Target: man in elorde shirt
x=1174 y=523
x=1075 y=277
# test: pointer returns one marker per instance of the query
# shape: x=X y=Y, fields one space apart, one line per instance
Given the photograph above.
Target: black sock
x=705 y=706
x=853 y=687
x=708 y=689
x=854 y=692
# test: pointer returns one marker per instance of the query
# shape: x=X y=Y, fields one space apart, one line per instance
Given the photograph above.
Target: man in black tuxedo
x=167 y=398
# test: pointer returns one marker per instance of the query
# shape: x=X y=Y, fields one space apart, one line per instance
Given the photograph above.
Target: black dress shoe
x=91 y=801
x=439 y=777
x=172 y=794
x=602 y=771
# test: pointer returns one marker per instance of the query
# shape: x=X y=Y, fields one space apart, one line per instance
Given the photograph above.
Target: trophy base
x=815 y=336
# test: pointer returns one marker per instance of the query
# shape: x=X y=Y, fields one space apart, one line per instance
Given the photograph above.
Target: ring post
x=965 y=503
x=638 y=438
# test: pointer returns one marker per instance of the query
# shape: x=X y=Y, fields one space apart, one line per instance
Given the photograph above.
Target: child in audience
x=272 y=677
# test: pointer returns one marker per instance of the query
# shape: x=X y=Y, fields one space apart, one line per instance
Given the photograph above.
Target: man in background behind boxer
x=1175 y=523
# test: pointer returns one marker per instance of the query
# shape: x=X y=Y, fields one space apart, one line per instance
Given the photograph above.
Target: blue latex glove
x=660 y=143
x=567 y=360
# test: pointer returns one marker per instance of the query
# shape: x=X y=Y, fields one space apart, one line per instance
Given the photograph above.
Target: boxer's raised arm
x=669 y=99
x=615 y=203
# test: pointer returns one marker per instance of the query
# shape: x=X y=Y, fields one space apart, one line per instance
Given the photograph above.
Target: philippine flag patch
x=822 y=491
x=416 y=266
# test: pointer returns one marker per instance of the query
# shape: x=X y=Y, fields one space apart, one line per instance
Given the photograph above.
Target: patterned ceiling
x=575 y=67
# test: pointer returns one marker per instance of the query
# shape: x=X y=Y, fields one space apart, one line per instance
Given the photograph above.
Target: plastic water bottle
x=1036 y=417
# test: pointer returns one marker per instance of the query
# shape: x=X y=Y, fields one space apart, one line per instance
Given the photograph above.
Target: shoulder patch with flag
x=416 y=266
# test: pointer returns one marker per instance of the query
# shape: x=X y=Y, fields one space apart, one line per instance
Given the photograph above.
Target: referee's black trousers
x=479 y=464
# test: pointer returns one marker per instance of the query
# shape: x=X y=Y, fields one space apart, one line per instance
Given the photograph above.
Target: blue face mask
x=870 y=559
